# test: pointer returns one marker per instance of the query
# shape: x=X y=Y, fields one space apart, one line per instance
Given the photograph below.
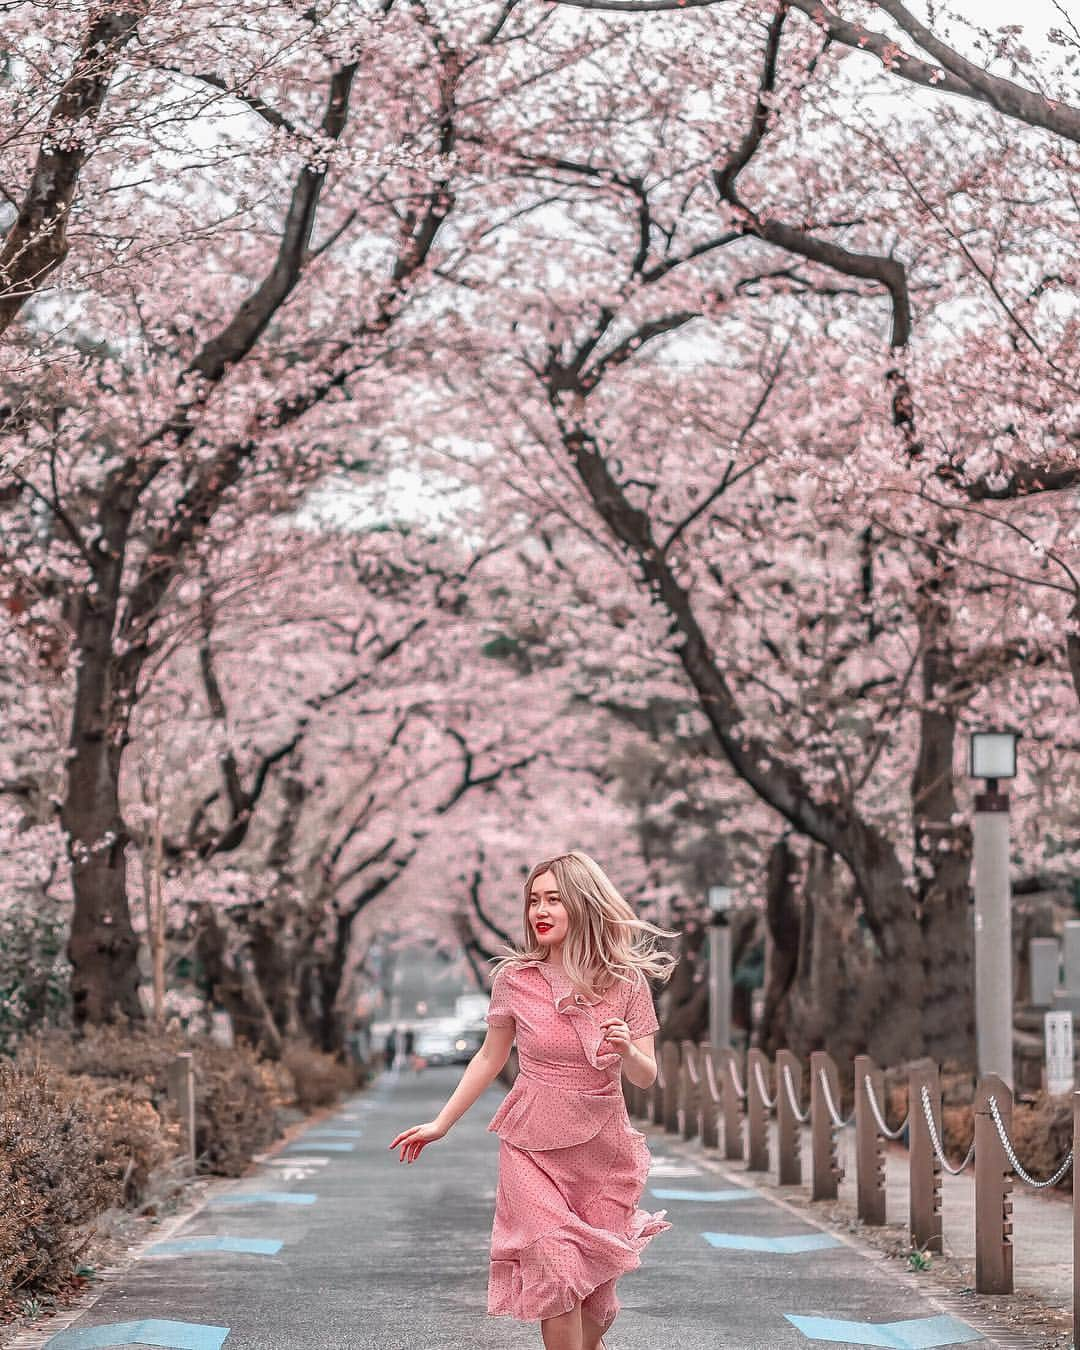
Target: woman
x=571 y=1167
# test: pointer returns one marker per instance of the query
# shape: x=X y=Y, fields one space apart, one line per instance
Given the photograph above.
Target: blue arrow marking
x=316 y=1145
x=152 y=1331
x=177 y=1246
x=920 y=1333
x=742 y=1193
x=262 y=1198
x=743 y=1242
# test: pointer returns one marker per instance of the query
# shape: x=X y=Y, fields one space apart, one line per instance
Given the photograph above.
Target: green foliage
x=34 y=971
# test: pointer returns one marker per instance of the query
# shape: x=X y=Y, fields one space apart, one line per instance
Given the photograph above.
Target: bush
x=236 y=1101
x=318 y=1079
x=60 y=1166
x=1042 y=1136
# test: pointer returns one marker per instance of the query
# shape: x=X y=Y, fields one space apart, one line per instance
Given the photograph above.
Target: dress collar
x=557 y=976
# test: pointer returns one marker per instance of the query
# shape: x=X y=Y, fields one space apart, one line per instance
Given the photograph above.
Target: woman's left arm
x=639 y=1062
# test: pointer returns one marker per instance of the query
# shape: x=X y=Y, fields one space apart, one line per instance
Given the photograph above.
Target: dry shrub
x=60 y=1166
x=236 y=1101
x=1042 y=1135
x=318 y=1079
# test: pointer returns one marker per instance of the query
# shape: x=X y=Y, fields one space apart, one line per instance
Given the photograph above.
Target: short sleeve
x=640 y=1014
x=500 y=1013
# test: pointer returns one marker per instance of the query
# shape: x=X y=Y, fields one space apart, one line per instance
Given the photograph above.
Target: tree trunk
x=103 y=948
x=943 y=849
x=232 y=986
x=782 y=930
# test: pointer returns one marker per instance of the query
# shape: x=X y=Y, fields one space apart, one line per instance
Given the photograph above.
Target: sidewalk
x=333 y=1244
x=1042 y=1234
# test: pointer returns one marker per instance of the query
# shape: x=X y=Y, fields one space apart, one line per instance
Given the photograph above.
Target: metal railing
x=710 y=1094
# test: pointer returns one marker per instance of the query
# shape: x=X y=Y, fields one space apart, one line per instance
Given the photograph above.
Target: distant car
x=468 y=1040
x=436 y=1045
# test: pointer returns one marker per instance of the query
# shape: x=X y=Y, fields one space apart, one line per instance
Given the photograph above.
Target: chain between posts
x=736 y=1081
x=1014 y=1161
x=879 y=1119
x=928 y=1112
x=769 y=1102
x=837 y=1119
x=789 y=1087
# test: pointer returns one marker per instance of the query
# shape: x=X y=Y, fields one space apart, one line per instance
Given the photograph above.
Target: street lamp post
x=720 y=898
x=993 y=757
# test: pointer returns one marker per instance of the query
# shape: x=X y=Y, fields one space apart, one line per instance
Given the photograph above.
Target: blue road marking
x=151 y=1331
x=177 y=1246
x=262 y=1198
x=742 y=1193
x=325 y=1145
x=920 y=1333
x=334 y=1134
x=802 y=1242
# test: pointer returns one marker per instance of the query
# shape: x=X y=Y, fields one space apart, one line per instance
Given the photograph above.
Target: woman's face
x=546 y=913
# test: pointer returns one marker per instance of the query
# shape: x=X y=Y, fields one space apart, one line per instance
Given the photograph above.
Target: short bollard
x=923 y=1166
x=825 y=1169
x=757 y=1111
x=710 y=1098
x=180 y=1086
x=869 y=1142
x=993 y=1187
x=688 y=1091
x=731 y=1104
x=788 y=1124
x=672 y=1071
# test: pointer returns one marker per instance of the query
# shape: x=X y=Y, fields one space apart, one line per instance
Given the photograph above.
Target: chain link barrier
x=736 y=1081
x=928 y=1112
x=789 y=1087
x=770 y=1102
x=879 y=1118
x=839 y=1123
x=1014 y=1161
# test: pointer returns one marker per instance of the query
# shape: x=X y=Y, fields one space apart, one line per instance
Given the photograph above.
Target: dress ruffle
x=556 y=1272
x=536 y=1116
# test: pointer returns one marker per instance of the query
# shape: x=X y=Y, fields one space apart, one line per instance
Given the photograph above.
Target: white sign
x=1059 y=1052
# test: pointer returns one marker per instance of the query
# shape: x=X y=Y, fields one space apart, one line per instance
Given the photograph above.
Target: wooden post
x=923 y=1166
x=788 y=1127
x=993 y=1208
x=672 y=1073
x=709 y=1092
x=757 y=1112
x=734 y=1149
x=1076 y=1217
x=656 y=1092
x=869 y=1143
x=180 y=1085
x=825 y=1169
x=689 y=1095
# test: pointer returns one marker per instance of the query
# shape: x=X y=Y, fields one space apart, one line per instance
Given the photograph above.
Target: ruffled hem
x=556 y=1272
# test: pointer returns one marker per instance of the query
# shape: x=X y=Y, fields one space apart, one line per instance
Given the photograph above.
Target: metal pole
x=993 y=936
x=719 y=983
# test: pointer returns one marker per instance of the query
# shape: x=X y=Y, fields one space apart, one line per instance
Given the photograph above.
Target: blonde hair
x=600 y=946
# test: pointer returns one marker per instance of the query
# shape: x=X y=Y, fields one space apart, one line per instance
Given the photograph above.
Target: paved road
x=335 y=1244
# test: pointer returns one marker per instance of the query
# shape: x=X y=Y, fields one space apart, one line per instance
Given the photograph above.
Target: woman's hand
x=415 y=1137
x=617 y=1034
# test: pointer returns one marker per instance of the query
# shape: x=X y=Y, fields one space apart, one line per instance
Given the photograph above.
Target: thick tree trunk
x=103 y=948
x=782 y=930
x=943 y=849
x=232 y=986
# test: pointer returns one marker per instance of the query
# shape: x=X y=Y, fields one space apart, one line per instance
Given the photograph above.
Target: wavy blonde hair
x=602 y=944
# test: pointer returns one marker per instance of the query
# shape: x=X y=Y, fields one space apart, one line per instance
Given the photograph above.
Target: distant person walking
x=390 y=1048
x=410 y=1049
x=571 y=1167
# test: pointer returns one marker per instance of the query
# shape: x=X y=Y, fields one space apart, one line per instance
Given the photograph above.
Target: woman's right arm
x=480 y=1073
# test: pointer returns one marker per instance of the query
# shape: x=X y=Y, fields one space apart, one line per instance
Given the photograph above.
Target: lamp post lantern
x=720 y=900
x=993 y=758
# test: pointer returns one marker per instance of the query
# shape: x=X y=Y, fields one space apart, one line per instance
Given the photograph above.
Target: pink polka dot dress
x=571 y=1167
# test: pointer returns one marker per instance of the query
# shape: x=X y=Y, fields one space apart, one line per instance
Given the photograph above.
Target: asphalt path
x=334 y=1243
